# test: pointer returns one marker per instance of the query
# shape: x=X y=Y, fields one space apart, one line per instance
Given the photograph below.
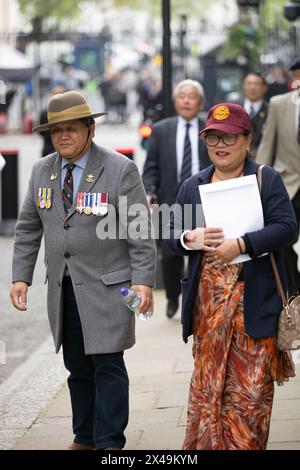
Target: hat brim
x=227 y=128
x=48 y=125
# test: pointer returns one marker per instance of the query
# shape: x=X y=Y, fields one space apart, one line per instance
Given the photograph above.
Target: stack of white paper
x=233 y=205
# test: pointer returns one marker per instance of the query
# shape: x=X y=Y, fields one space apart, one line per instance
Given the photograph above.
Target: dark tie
x=67 y=191
x=186 y=169
x=252 y=112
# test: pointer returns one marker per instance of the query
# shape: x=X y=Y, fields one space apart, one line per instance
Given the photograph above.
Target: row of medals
x=44 y=200
x=94 y=205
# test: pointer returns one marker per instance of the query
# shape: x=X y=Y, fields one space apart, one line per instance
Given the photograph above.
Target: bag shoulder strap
x=272 y=257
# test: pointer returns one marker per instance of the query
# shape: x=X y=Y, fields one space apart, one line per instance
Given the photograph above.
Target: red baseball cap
x=230 y=118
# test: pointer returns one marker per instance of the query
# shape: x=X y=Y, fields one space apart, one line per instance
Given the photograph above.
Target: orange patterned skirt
x=232 y=386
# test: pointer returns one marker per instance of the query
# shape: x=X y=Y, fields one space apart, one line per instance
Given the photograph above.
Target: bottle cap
x=124 y=291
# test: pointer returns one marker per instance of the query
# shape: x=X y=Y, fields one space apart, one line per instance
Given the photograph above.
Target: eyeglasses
x=212 y=140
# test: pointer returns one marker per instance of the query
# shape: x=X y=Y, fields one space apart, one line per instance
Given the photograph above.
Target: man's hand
x=18 y=295
x=151 y=199
x=146 y=294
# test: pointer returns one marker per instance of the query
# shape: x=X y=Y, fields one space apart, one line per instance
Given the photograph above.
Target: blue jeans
x=98 y=384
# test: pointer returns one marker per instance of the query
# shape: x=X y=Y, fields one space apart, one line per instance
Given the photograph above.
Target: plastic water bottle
x=132 y=300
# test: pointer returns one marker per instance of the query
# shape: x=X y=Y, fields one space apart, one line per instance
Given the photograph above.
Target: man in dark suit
x=174 y=153
x=255 y=88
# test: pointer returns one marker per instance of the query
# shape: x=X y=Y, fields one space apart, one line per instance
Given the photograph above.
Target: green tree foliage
x=243 y=41
x=248 y=39
x=178 y=7
x=56 y=9
x=272 y=14
x=59 y=9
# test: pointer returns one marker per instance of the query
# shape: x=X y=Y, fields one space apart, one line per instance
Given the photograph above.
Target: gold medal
x=43 y=198
x=39 y=198
x=48 y=200
x=87 y=203
x=87 y=210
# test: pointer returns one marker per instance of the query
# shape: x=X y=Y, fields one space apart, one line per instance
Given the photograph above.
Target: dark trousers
x=291 y=257
x=98 y=384
x=172 y=269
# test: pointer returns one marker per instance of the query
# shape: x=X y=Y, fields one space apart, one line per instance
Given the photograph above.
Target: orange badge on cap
x=221 y=113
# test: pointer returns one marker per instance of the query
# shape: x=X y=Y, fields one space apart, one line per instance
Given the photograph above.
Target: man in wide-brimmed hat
x=70 y=192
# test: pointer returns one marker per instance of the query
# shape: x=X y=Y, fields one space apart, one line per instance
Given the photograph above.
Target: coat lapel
x=91 y=174
x=290 y=121
x=55 y=171
x=172 y=146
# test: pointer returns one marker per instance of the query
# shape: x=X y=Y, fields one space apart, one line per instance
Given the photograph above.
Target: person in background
x=280 y=147
x=5 y=103
x=255 y=88
x=46 y=136
x=174 y=153
x=70 y=193
x=232 y=310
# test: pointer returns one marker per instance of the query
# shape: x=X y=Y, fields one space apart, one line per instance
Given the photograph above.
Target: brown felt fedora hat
x=64 y=107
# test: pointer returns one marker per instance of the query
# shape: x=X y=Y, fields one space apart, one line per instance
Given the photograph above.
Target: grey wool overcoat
x=98 y=266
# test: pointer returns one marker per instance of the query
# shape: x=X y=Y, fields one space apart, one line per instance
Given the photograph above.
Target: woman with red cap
x=232 y=309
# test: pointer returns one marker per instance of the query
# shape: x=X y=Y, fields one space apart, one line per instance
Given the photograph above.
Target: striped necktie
x=252 y=112
x=67 y=191
x=186 y=169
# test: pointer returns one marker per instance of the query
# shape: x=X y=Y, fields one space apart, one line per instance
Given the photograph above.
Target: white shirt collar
x=255 y=104
x=193 y=122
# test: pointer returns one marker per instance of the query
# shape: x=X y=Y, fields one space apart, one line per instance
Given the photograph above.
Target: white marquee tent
x=14 y=65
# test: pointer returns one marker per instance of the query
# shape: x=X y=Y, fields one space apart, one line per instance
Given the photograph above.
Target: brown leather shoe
x=76 y=446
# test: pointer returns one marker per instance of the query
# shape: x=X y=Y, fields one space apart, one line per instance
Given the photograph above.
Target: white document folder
x=235 y=206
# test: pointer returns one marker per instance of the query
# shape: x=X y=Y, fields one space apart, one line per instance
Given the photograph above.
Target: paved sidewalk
x=34 y=402
x=159 y=367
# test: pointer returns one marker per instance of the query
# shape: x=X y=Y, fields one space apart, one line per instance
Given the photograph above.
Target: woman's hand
x=224 y=253
x=204 y=238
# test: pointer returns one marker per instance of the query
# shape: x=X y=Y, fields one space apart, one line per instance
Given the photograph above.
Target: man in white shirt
x=175 y=153
x=255 y=88
x=280 y=147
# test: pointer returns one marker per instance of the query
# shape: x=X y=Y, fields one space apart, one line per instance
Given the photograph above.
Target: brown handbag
x=288 y=335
